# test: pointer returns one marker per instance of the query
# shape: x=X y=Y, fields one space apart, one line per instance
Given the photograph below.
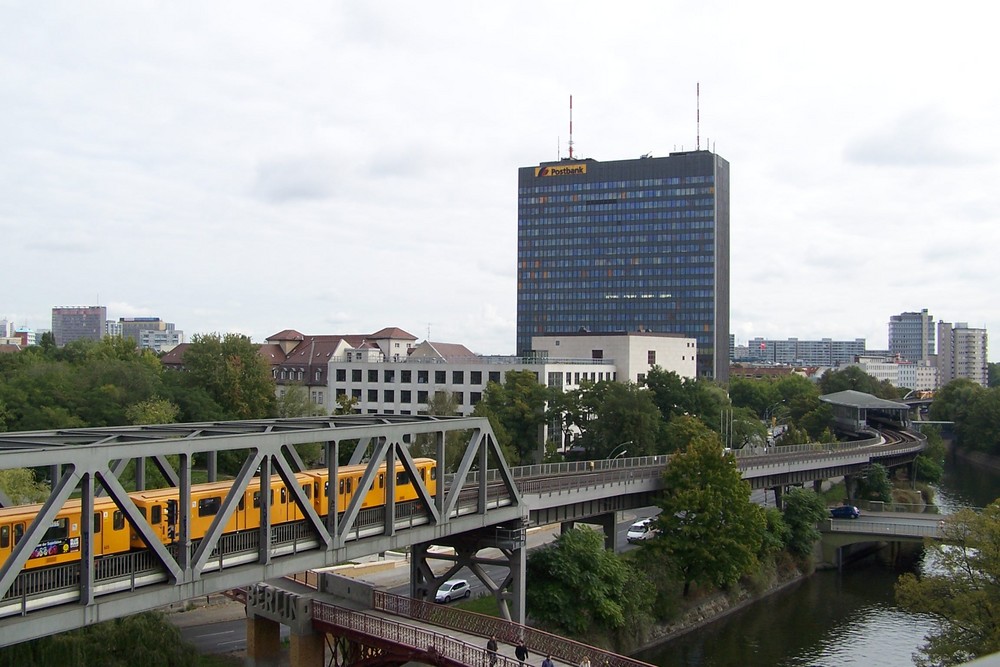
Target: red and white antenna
x=570 y=127
x=697 y=114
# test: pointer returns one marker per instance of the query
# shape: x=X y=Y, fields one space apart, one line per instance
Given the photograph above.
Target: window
x=319 y=375
x=459 y=398
x=209 y=506
x=475 y=397
x=406 y=396
x=389 y=396
x=4 y=537
x=422 y=377
x=341 y=375
x=495 y=376
x=355 y=375
x=388 y=376
x=372 y=375
x=155 y=514
x=421 y=397
x=372 y=395
x=402 y=478
x=57 y=530
x=640 y=378
x=356 y=393
x=405 y=377
x=440 y=377
x=597 y=354
x=651 y=357
x=475 y=377
x=118 y=520
x=458 y=377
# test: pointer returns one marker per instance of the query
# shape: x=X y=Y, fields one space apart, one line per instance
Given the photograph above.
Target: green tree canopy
x=579 y=588
x=623 y=418
x=953 y=403
x=803 y=510
x=235 y=376
x=854 y=378
x=962 y=590
x=518 y=408
x=710 y=532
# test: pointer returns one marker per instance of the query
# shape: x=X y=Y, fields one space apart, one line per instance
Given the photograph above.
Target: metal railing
x=537 y=641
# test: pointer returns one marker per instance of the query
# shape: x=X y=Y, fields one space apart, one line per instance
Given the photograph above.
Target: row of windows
x=295 y=375
x=598 y=266
x=584 y=225
x=658 y=195
x=603 y=234
x=389 y=376
x=406 y=396
x=617 y=185
x=539 y=253
x=584 y=278
x=615 y=247
x=603 y=301
x=618 y=209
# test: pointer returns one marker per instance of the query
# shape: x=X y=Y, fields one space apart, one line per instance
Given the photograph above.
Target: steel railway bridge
x=484 y=504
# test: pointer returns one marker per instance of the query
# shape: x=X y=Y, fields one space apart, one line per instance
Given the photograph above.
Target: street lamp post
x=612 y=455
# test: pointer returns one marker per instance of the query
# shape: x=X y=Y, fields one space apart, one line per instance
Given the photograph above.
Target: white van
x=641 y=530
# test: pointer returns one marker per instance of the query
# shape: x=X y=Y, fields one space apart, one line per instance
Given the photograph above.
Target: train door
x=98 y=534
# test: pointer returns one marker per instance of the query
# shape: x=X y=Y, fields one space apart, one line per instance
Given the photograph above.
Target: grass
x=484 y=604
x=219 y=661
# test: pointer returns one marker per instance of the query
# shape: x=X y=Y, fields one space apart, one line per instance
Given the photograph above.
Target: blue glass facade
x=624 y=246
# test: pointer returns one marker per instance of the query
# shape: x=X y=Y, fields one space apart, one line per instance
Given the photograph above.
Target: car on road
x=453 y=589
x=845 y=512
x=640 y=530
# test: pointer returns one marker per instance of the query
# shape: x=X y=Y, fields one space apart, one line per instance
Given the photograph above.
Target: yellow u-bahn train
x=112 y=535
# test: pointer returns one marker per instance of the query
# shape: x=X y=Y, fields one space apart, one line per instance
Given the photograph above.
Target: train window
x=381 y=480
x=326 y=488
x=349 y=485
x=18 y=532
x=284 y=495
x=155 y=514
x=142 y=511
x=97 y=522
x=272 y=496
x=307 y=491
x=256 y=499
x=434 y=472
x=118 y=522
x=209 y=506
x=402 y=478
x=4 y=537
x=341 y=491
x=243 y=503
x=58 y=530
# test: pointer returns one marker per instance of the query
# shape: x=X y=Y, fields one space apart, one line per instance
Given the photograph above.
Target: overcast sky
x=341 y=167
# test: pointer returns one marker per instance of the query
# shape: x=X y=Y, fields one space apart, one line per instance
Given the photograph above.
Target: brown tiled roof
x=392 y=332
x=287 y=334
x=451 y=351
x=319 y=349
x=9 y=347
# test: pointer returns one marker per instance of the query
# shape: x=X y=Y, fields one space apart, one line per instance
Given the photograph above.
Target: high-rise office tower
x=627 y=245
x=78 y=322
x=961 y=353
x=911 y=335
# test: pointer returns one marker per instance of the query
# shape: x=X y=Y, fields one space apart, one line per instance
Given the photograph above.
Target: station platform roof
x=861 y=400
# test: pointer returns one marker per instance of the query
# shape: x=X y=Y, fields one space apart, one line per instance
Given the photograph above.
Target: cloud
x=919 y=138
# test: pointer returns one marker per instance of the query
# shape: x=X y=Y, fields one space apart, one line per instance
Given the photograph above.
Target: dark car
x=845 y=512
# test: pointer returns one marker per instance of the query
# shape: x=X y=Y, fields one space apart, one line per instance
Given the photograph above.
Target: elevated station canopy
x=853 y=410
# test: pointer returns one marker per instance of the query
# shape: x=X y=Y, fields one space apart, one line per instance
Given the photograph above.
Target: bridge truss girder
x=90 y=461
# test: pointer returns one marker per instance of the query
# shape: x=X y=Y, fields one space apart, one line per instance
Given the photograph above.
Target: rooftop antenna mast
x=697 y=114
x=570 y=127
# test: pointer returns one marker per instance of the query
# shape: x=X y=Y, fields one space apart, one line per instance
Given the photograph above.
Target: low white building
x=632 y=353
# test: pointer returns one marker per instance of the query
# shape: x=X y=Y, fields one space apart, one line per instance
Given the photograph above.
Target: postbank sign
x=561 y=170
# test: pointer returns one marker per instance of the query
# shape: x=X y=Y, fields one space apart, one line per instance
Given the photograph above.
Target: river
x=831 y=618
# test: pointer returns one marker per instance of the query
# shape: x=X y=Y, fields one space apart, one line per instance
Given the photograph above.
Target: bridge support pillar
x=818 y=486
x=263 y=642
x=850 y=486
x=779 y=496
x=307 y=649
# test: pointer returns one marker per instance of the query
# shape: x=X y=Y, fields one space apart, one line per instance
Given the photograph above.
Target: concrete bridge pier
x=779 y=496
x=608 y=522
x=268 y=608
x=263 y=642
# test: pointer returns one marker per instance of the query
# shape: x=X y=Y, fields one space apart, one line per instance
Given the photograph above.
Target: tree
x=233 y=373
x=345 y=404
x=147 y=639
x=854 y=378
x=962 y=591
x=578 y=587
x=518 y=406
x=294 y=402
x=981 y=426
x=622 y=412
x=875 y=484
x=803 y=510
x=22 y=487
x=710 y=532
